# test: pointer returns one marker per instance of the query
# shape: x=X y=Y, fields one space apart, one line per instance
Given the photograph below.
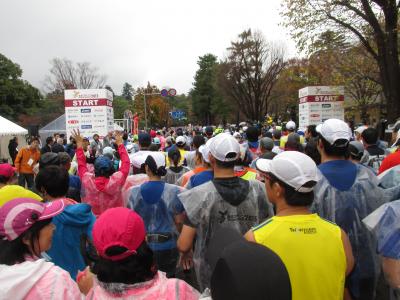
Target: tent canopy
x=8 y=128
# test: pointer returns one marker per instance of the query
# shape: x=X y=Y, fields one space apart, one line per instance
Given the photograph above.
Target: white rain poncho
x=208 y=208
x=174 y=173
x=385 y=223
x=157 y=203
x=346 y=194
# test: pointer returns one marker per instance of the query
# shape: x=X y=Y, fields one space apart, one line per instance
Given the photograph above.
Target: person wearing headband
x=290 y=178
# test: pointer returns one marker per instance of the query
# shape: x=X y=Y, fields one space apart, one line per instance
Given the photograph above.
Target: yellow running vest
x=312 y=251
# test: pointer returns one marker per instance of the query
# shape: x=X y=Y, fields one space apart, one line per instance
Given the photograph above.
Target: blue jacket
x=65 y=252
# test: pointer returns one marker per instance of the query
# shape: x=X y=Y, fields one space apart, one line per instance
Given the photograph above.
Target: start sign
x=319 y=103
x=90 y=111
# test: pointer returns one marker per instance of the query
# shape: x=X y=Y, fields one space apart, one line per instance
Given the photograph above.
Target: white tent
x=8 y=130
x=56 y=126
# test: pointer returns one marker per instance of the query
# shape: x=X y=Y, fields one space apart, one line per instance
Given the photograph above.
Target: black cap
x=49 y=159
x=245 y=270
x=144 y=138
x=209 y=129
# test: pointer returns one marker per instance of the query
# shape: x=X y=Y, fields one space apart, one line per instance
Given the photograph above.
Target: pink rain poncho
x=37 y=279
x=159 y=288
x=101 y=192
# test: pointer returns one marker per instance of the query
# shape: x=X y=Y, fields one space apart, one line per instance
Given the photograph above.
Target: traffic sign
x=177 y=114
x=164 y=92
x=172 y=92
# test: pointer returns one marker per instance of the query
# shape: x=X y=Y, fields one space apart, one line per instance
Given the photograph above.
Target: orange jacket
x=23 y=157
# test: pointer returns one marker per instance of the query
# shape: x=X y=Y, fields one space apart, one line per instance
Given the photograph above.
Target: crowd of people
x=235 y=212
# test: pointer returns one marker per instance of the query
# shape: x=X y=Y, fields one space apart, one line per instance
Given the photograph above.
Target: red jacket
x=101 y=192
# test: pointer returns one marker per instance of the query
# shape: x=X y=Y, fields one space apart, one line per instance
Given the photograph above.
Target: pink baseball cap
x=7 y=170
x=118 y=226
x=18 y=215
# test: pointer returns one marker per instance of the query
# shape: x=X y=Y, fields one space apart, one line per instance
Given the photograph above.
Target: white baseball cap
x=180 y=140
x=291 y=167
x=205 y=151
x=139 y=158
x=290 y=125
x=333 y=130
x=224 y=144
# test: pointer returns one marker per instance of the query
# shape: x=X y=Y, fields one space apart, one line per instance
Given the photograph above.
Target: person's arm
x=18 y=160
x=186 y=238
x=348 y=252
x=250 y=236
x=80 y=155
x=125 y=161
x=179 y=219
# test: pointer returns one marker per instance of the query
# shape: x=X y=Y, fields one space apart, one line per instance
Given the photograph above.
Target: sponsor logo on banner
x=72 y=116
x=86 y=127
x=326 y=105
x=73 y=121
x=314 y=115
x=86 y=110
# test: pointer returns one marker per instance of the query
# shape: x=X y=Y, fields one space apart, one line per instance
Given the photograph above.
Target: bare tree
x=65 y=74
x=249 y=73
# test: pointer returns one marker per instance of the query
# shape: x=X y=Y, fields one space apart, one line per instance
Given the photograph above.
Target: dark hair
x=292 y=197
x=311 y=150
x=198 y=140
x=252 y=134
x=226 y=164
x=312 y=129
x=65 y=159
x=125 y=136
x=154 y=147
x=48 y=140
x=94 y=135
x=136 y=268
x=151 y=163
x=54 y=180
x=370 y=136
x=4 y=179
x=14 y=252
x=339 y=148
x=267 y=134
x=276 y=134
x=32 y=139
x=175 y=155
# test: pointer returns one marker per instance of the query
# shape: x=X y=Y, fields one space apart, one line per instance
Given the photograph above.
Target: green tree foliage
x=127 y=91
x=120 y=104
x=207 y=102
x=17 y=96
x=375 y=24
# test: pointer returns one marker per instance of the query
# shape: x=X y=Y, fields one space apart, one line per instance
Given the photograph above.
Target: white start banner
x=90 y=111
x=319 y=103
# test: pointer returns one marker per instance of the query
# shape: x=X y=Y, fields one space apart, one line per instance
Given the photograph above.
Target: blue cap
x=102 y=163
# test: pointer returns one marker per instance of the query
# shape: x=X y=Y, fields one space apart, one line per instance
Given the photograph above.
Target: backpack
x=375 y=161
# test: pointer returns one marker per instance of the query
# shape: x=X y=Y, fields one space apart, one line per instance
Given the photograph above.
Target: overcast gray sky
x=131 y=40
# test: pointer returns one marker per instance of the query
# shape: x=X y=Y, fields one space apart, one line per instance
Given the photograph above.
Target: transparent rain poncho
x=208 y=212
x=385 y=223
x=158 y=213
x=390 y=178
x=172 y=177
x=347 y=208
